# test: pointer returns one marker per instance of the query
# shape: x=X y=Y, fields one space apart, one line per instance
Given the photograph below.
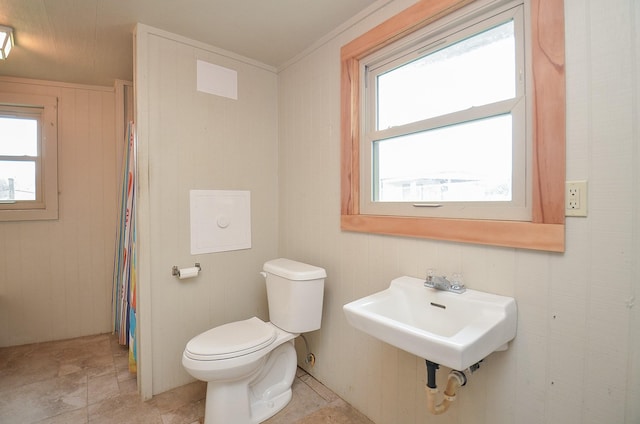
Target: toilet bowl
x=250 y=382
x=249 y=365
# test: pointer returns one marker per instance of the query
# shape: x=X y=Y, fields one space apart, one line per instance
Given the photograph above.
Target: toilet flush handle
x=264 y=274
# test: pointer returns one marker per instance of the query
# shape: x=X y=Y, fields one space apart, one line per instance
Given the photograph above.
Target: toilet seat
x=231 y=340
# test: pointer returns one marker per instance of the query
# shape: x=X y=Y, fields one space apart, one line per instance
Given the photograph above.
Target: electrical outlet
x=576 y=198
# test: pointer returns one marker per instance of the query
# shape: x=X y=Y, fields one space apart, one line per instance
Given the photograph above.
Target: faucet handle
x=430 y=274
x=429 y=281
x=457 y=282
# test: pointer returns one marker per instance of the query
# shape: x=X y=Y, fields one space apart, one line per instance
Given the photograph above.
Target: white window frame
x=44 y=109
x=439 y=35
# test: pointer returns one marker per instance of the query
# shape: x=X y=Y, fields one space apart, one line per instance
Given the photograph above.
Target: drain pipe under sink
x=455 y=380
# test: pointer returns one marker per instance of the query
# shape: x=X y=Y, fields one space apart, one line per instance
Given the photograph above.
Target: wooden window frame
x=546 y=229
x=45 y=207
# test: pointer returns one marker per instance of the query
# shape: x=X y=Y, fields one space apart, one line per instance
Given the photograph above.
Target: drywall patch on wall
x=220 y=220
x=217 y=80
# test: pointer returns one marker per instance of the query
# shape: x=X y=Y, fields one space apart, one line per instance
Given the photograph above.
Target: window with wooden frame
x=542 y=227
x=28 y=157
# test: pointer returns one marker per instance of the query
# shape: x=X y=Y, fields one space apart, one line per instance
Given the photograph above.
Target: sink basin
x=454 y=330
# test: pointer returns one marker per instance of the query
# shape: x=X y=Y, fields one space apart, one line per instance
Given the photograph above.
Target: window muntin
x=435 y=94
x=28 y=157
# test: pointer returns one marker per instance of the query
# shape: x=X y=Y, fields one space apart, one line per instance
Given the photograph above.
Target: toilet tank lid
x=293 y=270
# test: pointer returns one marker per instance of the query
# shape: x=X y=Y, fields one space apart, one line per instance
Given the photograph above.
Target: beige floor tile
x=25 y=365
x=37 y=401
x=86 y=380
x=319 y=388
x=78 y=416
x=123 y=409
x=128 y=386
x=102 y=388
x=178 y=397
x=303 y=402
x=186 y=414
x=339 y=412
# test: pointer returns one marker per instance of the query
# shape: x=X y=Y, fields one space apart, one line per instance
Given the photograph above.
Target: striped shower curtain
x=124 y=275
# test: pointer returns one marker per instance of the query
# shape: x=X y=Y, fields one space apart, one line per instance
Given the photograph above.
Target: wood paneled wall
x=576 y=356
x=55 y=276
x=193 y=140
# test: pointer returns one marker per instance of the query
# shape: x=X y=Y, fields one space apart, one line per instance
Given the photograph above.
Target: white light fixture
x=6 y=41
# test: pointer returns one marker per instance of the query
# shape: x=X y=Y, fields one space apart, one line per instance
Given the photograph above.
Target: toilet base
x=263 y=410
x=226 y=406
x=257 y=397
x=227 y=403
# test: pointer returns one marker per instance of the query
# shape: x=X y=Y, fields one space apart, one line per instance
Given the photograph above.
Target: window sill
x=49 y=213
x=518 y=234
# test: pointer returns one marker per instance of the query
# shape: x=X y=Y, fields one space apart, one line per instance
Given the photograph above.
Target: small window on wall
x=28 y=157
x=445 y=133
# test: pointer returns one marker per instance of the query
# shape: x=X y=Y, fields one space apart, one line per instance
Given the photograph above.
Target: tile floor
x=85 y=380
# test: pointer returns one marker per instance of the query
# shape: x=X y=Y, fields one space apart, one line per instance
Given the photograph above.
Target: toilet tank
x=295 y=292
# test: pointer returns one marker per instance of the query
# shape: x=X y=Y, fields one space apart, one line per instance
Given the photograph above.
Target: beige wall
x=576 y=357
x=192 y=140
x=55 y=276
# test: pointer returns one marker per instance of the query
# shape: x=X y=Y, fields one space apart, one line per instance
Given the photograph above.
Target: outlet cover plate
x=575 y=198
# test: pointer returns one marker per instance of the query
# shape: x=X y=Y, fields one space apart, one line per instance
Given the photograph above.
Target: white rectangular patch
x=220 y=220
x=214 y=79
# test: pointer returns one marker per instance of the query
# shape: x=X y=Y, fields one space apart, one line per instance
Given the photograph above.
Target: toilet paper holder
x=175 y=271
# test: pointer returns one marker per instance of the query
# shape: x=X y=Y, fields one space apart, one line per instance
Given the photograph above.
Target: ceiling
x=90 y=41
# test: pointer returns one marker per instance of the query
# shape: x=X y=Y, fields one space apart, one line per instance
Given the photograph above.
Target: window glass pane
x=464 y=162
x=476 y=71
x=18 y=136
x=17 y=180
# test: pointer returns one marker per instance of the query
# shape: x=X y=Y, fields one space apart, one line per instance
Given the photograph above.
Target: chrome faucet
x=442 y=283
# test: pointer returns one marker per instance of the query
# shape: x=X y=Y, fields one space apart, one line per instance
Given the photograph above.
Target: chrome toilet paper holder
x=175 y=271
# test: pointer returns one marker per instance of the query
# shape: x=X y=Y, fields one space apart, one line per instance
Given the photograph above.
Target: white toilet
x=249 y=365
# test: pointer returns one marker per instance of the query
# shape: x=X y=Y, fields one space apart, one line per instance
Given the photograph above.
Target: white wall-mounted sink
x=454 y=330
